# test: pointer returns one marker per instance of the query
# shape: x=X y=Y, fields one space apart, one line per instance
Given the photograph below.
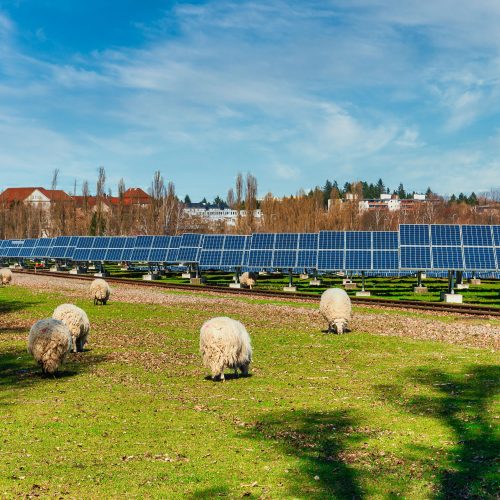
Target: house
x=36 y=196
x=214 y=213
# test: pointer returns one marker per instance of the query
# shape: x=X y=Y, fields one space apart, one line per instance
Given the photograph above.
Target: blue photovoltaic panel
x=210 y=258
x=358 y=260
x=143 y=241
x=158 y=255
x=260 y=259
x=191 y=240
x=308 y=241
x=85 y=242
x=331 y=240
x=130 y=242
x=384 y=260
x=117 y=242
x=188 y=254
x=284 y=259
x=232 y=258
x=496 y=235
x=27 y=248
x=101 y=242
x=477 y=236
x=418 y=258
x=114 y=255
x=97 y=254
x=263 y=241
x=307 y=259
x=449 y=258
x=331 y=260
x=497 y=251
x=81 y=254
x=479 y=258
x=286 y=241
x=445 y=235
x=358 y=240
x=414 y=234
x=213 y=242
x=161 y=242
x=140 y=254
x=385 y=240
x=126 y=255
x=234 y=242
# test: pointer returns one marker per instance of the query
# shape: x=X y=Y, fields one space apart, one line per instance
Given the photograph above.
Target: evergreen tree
x=473 y=199
x=380 y=188
x=462 y=198
x=187 y=199
x=401 y=191
x=204 y=201
x=327 y=189
x=429 y=192
x=453 y=199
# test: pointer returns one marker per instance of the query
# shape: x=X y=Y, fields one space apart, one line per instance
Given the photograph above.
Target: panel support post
x=290 y=287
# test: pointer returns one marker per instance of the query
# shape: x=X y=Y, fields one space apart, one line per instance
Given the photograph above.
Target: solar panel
x=496 y=235
x=445 y=235
x=358 y=240
x=385 y=240
x=308 y=241
x=307 y=259
x=331 y=260
x=480 y=236
x=27 y=248
x=260 y=259
x=479 y=258
x=42 y=248
x=173 y=251
x=286 y=241
x=414 y=234
x=449 y=258
x=262 y=241
x=210 y=259
x=234 y=242
x=213 y=242
x=140 y=255
x=144 y=242
x=358 y=260
x=230 y=259
x=284 y=259
x=331 y=240
x=385 y=260
x=415 y=257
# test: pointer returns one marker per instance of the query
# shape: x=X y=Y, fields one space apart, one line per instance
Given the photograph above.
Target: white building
x=213 y=213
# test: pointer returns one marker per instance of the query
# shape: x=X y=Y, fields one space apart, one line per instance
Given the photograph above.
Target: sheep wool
x=335 y=306
x=100 y=291
x=247 y=280
x=77 y=321
x=225 y=343
x=49 y=341
x=5 y=276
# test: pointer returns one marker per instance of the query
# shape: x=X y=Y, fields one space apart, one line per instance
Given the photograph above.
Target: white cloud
x=287 y=172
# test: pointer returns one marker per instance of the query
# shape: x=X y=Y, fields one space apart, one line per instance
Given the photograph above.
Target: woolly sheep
x=225 y=343
x=247 y=279
x=335 y=306
x=77 y=321
x=100 y=291
x=48 y=342
x=5 y=276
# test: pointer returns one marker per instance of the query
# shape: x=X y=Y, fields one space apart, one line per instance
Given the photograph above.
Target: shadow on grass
x=213 y=492
x=461 y=403
x=11 y=305
x=228 y=376
x=18 y=370
x=321 y=441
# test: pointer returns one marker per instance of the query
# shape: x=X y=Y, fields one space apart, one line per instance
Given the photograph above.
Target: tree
x=187 y=200
x=55 y=175
x=473 y=199
x=230 y=198
x=380 y=187
x=401 y=191
x=327 y=189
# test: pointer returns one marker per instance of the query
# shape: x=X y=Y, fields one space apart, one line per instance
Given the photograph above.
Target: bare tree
x=55 y=175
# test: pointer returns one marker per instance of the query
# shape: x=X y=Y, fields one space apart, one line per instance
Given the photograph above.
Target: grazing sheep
x=77 y=321
x=335 y=306
x=225 y=343
x=100 y=291
x=247 y=279
x=48 y=342
x=5 y=276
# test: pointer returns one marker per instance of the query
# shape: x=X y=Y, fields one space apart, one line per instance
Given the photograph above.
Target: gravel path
x=462 y=330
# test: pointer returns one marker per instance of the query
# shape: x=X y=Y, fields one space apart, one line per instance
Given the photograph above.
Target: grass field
x=321 y=416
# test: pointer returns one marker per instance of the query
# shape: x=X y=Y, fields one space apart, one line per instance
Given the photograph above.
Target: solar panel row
x=414 y=247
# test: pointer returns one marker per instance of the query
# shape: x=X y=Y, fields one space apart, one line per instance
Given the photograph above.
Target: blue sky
x=293 y=92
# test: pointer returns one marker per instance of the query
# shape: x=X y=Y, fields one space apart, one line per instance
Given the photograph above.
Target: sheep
x=247 y=279
x=335 y=306
x=49 y=341
x=100 y=291
x=5 y=276
x=225 y=343
x=77 y=321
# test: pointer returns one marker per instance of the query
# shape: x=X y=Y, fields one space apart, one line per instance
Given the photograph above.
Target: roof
x=11 y=195
x=138 y=195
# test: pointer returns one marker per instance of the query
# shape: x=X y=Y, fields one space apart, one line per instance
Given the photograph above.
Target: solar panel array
x=415 y=247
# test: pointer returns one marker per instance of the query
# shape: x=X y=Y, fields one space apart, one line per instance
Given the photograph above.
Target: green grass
x=322 y=416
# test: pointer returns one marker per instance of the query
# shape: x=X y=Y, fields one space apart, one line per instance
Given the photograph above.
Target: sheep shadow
x=11 y=305
x=228 y=376
x=460 y=401
x=18 y=370
x=213 y=492
x=321 y=441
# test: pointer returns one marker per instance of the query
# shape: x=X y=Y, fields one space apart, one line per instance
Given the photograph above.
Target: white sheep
x=48 y=342
x=246 y=279
x=77 y=321
x=335 y=306
x=5 y=276
x=100 y=291
x=225 y=343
